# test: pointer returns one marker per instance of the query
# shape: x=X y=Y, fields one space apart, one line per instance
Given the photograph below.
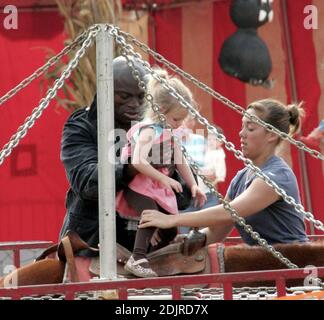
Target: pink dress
x=162 y=149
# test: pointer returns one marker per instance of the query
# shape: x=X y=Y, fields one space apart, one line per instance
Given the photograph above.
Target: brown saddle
x=187 y=257
x=177 y=258
x=168 y=261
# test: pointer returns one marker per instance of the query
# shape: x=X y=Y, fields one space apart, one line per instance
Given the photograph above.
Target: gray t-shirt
x=280 y=222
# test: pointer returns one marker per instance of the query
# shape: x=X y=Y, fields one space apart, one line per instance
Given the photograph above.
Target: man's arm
x=79 y=155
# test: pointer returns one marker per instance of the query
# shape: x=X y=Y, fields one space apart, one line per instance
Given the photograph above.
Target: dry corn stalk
x=80 y=15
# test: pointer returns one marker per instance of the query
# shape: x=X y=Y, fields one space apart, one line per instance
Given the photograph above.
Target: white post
x=106 y=168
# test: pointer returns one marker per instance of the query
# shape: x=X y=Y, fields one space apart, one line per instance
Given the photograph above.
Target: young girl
x=155 y=156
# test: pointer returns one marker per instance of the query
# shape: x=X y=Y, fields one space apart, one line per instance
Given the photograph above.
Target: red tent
x=189 y=34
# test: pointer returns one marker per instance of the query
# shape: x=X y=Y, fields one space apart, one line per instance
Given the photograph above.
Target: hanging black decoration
x=251 y=13
x=244 y=54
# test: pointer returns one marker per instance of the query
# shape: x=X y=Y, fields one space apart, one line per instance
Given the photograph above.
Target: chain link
x=218 y=96
x=45 y=67
x=128 y=51
x=51 y=93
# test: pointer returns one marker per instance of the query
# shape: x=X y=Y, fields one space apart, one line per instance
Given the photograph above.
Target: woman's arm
x=216 y=233
x=254 y=199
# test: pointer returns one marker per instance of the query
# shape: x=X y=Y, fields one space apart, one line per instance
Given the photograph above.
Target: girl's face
x=189 y=122
x=253 y=138
x=175 y=118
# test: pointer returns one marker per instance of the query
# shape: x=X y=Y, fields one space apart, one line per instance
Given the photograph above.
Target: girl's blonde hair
x=162 y=97
x=284 y=118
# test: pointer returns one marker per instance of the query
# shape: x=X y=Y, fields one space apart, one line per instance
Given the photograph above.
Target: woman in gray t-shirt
x=258 y=203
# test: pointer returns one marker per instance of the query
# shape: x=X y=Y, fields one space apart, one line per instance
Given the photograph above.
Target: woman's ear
x=273 y=137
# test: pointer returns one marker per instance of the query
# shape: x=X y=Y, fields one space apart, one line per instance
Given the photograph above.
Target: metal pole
x=106 y=167
x=294 y=94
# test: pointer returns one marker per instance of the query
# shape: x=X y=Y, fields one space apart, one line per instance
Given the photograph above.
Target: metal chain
x=229 y=146
x=126 y=51
x=219 y=97
x=51 y=93
x=45 y=67
x=226 y=205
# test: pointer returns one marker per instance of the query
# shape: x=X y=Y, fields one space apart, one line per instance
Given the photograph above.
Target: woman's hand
x=171 y=184
x=154 y=218
x=199 y=195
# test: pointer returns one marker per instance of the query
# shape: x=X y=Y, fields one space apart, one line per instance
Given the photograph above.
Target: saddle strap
x=66 y=243
x=65 y=250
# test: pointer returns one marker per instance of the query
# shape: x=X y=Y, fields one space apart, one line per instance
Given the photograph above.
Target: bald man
x=79 y=154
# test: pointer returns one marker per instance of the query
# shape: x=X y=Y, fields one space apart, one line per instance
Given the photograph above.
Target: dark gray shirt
x=280 y=222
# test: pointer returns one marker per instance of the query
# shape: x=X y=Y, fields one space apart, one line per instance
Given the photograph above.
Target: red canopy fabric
x=32 y=179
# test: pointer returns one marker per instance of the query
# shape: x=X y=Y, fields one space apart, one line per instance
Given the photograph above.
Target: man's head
x=129 y=98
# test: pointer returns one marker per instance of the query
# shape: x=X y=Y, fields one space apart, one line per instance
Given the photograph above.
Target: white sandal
x=136 y=269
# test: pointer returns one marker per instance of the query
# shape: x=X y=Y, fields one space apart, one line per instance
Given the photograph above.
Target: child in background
x=210 y=158
x=155 y=156
x=214 y=168
x=315 y=138
x=195 y=145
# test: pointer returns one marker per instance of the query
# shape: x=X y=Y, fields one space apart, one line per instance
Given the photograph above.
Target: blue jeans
x=212 y=201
